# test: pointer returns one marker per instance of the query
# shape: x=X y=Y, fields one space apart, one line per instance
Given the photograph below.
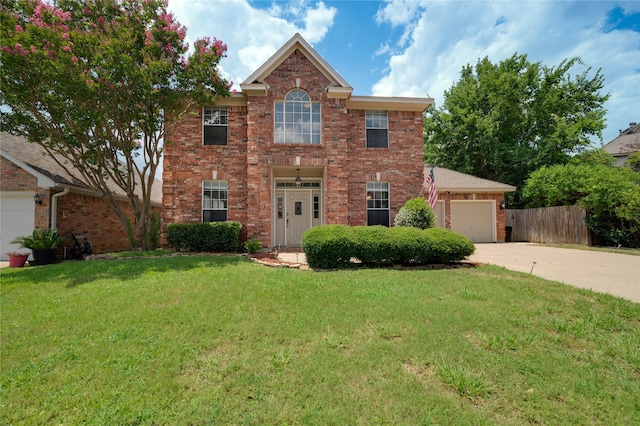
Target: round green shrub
x=449 y=246
x=415 y=213
x=253 y=245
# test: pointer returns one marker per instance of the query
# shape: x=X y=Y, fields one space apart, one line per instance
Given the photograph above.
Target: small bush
x=416 y=213
x=253 y=245
x=335 y=246
x=209 y=236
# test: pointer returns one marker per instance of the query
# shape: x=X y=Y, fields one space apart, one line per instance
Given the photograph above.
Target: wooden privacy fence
x=554 y=225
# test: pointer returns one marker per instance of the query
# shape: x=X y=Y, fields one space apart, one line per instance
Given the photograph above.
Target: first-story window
x=214 y=125
x=378 y=203
x=214 y=200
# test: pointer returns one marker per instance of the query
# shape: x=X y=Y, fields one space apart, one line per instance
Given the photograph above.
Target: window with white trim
x=378 y=203
x=297 y=119
x=214 y=125
x=377 y=127
x=214 y=200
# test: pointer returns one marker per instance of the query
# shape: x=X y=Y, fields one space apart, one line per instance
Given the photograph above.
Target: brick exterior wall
x=248 y=160
x=75 y=212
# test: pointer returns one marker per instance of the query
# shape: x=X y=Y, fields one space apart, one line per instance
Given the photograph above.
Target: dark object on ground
x=80 y=248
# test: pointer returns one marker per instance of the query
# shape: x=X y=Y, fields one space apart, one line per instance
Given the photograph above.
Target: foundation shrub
x=334 y=246
x=448 y=246
x=328 y=246
x=201 y=237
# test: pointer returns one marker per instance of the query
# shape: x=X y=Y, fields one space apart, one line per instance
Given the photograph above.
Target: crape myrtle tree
x=93 y=82
x=503 y=121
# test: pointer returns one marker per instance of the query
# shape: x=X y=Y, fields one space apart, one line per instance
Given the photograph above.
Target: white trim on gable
x=255 y=80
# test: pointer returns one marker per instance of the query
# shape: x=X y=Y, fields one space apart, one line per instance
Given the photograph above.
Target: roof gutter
x=54 y=206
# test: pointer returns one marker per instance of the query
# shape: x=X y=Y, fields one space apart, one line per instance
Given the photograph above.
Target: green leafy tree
x=593 y=157
x=503 y=121
x=93 y=81
x=610 y=196
x=633 y=161
x=416 y=213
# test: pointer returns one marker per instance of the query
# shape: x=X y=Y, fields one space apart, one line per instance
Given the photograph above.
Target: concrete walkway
x=613 y=273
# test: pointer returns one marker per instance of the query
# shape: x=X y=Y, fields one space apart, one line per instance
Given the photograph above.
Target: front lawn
x=221 y=340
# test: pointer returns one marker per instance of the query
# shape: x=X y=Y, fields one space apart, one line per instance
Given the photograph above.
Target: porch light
x=37 y=199
x=297 y=180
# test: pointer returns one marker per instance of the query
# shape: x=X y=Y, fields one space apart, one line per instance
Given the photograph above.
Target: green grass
x=221 y=340
x=622 y=250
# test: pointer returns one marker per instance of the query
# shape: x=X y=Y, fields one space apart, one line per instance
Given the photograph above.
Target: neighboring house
x=469 y=205
x=64 y=203
x=294 y=149
x=625 y=144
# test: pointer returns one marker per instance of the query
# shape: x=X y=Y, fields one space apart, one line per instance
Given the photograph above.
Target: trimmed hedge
x=208 y=236
x=337 y=246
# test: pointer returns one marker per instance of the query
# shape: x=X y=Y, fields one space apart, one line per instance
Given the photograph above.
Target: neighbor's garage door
x=475 y=220
x=16 y=219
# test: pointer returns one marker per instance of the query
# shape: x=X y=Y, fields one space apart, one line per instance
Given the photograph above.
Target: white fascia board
x=389 y=103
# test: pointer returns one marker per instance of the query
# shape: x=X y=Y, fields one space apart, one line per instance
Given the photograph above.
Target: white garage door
x=475 y=220
x=16 y=219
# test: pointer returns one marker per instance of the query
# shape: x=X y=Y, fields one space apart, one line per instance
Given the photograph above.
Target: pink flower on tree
x=74 y=59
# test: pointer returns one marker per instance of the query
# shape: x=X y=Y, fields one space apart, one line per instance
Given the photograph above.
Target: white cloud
x=448 y=35
x=252 y=34
x=399 y=12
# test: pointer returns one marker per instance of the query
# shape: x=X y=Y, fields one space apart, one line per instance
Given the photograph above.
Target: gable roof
x=338 y=88
x=32 y=158
x=448 y=180
x=627 y=142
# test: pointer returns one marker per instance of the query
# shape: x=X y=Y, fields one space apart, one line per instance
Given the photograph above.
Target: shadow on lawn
x=75 y=273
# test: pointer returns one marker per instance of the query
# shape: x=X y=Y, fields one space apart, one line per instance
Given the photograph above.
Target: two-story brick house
x=294 y=149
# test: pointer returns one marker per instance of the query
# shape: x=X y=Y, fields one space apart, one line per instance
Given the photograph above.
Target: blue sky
x=417 y=48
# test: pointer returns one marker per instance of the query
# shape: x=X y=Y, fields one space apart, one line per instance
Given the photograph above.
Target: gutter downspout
x=54 y=206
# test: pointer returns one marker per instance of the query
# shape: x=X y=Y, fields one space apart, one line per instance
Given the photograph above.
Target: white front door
x=297 y=216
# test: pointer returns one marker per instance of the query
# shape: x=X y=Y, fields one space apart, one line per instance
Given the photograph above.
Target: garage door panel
x=474 y=219
x=16 y=219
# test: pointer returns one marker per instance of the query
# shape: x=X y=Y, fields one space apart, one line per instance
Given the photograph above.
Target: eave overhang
x=389 y=103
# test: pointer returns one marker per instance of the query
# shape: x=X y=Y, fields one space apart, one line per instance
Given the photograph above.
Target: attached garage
x=469 y=205
x=16 y=219
x=474 y=219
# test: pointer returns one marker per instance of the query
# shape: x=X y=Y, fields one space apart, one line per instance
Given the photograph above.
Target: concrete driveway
x=613 y=273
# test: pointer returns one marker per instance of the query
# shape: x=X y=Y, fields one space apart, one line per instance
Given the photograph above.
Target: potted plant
x=17 y=259
x=43 y=244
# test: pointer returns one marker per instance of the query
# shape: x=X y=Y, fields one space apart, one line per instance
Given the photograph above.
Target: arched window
x=297 y=119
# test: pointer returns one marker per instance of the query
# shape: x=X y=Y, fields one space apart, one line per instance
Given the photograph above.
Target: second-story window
x=377 y=125
x=215 y=126
x=297 y=119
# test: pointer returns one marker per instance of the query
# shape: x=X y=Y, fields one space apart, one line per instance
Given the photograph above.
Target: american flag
x=433 y=191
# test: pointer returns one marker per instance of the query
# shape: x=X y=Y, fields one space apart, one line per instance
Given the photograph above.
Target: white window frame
x=219 y=203
x=297 y=119
x=376 y=120
x=215 y=116
x=375 y=201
